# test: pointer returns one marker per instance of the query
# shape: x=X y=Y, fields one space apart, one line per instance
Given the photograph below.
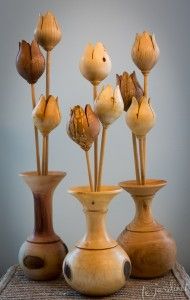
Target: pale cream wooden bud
x=140 y=117
x=47 y=32
x=46 y=115
x=108 y=105
x=145 y=51
x=95 y=63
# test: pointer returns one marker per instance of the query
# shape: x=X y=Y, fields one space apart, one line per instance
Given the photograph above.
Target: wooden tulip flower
x=30 y=64
x=47 y=32
x=83 y=128
x=46 y=116
x=95 y=63
x=140 y=118
x=145 y=51
x=108 y=106
x=130 y=87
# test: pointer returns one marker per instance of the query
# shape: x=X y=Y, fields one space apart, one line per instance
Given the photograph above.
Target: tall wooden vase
x=97 y=265
x=150 y=247
x=41 y=256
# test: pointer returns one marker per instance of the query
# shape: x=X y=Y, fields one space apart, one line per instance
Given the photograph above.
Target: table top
x=174 y=285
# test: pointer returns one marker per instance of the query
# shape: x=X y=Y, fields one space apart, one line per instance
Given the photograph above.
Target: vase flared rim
x=148 y=183
x=105 y=190
x=50 y=174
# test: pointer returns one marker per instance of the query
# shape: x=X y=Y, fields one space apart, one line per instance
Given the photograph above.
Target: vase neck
x=96 y=236
x=43 y=225
x=143 y=220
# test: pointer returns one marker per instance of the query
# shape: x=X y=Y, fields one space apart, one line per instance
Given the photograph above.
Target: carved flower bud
x=108 y=105
x=95 y=63
x=129 y=87
x=30 y=62
x=47 y=32
x=140 y=117
x=145 y=51
x=46 y=114
x=83 y=126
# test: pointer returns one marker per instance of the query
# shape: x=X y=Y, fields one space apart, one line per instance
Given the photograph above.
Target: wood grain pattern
x=150 y=247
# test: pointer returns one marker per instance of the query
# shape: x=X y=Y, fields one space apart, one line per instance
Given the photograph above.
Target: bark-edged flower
x=108 y=105
x=46 y=115
x=83 y=126
x=129 y=87
x=95 y=63
x=47 y=32
x=140 y=117
x=30 y=62
x=145 y=51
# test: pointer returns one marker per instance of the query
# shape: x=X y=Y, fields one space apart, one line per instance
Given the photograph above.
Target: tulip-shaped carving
x=145 y=51
x=140 y=117
x=46 y=114
x=95 y=63
x=47 y=32
x=83 y=126
x=129 y=87
x=30 y=62
x=109 y=105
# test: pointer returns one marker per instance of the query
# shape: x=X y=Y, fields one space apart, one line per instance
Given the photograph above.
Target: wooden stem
x=95 y=92
x=136 y=161
x=44 y=158
x=89 y=171
x=102 y=152
x=141 y=151
x=48 y=63
x=145 y=74
x=36 y=132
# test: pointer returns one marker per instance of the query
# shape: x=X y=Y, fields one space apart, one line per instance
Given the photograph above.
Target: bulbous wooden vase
x=97 y=266
x=41 y=256
x=150 y=247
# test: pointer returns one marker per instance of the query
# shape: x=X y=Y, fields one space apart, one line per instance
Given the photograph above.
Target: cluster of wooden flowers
x=84 y=126
x=31 y=64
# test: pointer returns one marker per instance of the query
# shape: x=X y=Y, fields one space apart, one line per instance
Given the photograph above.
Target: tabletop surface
x=174 y=285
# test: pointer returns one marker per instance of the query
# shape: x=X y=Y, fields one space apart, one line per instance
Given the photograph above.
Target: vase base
x=42 y=261
x=97 y=272
x=152 y=254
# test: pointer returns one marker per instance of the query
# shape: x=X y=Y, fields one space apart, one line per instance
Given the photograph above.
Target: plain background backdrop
x=115 y=23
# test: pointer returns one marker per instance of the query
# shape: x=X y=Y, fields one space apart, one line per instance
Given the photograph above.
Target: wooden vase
x=150 y=247
x=97 y=266
x=41 y=256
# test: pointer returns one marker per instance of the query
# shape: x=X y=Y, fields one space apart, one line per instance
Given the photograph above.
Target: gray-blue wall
x=115 y=23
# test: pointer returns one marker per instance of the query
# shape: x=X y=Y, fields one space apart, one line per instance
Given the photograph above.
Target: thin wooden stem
x=36 y=132
x=48 y=63
x=89 y=171
x=141 y=152
x=95 y=92
x=136 y=160
x=102 y=154
x=145 y=74
x=44 y=156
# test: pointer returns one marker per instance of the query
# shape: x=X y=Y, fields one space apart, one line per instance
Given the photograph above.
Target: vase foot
x=42 y=261
x=97 y=272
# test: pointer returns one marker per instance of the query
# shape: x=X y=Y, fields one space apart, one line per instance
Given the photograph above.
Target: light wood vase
x=150 y=247
x=97 y=266
x=41 y=256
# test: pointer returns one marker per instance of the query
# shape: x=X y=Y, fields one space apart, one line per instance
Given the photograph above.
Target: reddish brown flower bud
x=83 y=126
x=129 y=87
x=30 y=62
